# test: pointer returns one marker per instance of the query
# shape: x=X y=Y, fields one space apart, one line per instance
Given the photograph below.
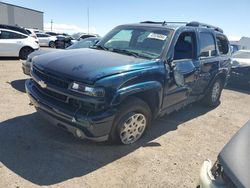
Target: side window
x=223 y=44
x=11 y=35
x=185 y=46
x=207 y=45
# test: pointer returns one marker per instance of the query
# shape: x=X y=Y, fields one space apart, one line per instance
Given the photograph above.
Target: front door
x=184 y=63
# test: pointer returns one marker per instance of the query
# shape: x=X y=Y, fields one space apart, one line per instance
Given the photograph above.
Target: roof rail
x=163 y=23
x=152 y=22
x=198 y=24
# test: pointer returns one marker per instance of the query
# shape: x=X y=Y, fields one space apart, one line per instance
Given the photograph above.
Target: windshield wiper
x=127 y=52
x=98 y=46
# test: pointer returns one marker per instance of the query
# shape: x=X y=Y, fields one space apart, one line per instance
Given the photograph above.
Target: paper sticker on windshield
x=157 y=36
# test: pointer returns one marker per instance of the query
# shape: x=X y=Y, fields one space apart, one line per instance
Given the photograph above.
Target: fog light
x=78 y=133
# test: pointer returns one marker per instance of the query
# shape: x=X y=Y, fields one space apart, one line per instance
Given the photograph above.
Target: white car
x=46 y=40
x=16 y=44
x=31 y=32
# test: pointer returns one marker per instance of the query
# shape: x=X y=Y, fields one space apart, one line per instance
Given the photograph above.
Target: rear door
x=11 y=43
x=209 y=60
x=43 y=39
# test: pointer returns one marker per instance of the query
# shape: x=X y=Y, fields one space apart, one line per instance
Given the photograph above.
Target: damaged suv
x=136 y=73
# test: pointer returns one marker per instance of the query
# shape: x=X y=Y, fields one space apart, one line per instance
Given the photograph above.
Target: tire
x=52 y=44
x=131 y=122
x=24 y=52
x=212 y=98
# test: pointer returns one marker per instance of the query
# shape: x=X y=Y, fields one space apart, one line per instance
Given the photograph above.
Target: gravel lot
x=34 y=153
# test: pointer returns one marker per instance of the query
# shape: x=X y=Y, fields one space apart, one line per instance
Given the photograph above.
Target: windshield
x=143 y=42
x=242 y=54
x=85 y=43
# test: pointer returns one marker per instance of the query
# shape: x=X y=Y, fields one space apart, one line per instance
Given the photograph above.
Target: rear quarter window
x=223 y=44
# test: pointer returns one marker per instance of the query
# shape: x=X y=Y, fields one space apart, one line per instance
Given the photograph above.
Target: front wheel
x=131 y=122
x=212 y=98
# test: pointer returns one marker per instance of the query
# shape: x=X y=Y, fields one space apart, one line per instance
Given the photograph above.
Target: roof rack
x=14 y=28
x=198 y=24
x=163 y=23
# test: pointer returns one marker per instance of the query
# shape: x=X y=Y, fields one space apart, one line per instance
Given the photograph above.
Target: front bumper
x=206 y=179
x=26 y=67
x=83 y=124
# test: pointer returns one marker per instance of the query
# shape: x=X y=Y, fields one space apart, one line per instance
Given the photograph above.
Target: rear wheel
x=131 y=122
x=24 y=52
x=212 y=99
x=52 y=44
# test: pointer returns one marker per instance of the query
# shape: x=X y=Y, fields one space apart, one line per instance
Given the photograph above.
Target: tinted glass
x=222 y=43
x=207 y=45
x=146 y=42
x=11 y=35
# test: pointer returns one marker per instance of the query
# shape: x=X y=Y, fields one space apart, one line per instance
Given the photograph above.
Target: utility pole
x=88 y=18
x=51 y=24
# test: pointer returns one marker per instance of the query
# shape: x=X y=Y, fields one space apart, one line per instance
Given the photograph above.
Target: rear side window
x=11 y=35
x=222 y=43
x=207 y=45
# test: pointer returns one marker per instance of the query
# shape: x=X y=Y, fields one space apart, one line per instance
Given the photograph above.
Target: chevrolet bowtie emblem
x=42 y=84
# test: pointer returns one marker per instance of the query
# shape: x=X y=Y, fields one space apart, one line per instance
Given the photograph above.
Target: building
x=244 y=43
x=21 y=16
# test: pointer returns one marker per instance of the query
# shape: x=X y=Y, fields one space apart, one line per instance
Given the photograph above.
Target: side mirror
x=178 y=77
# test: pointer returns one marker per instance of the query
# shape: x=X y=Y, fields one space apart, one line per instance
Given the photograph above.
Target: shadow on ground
x=8 y=58
x=19 y=85
x=46 y=155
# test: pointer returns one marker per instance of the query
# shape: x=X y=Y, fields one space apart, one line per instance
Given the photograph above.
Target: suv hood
x=88 y=65
x=235 y=157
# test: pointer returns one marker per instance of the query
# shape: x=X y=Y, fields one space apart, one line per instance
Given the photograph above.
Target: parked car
x=84 y=36
x=16 y=44
x=63 y=42
x=31 y=32
x=232 y=167
x=240 y=71
x=85 y=43
x=46 y=40
x=52 y=33
x=136 y=73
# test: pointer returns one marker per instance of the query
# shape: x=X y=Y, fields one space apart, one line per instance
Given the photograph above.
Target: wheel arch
x=150 y=92
x=26 y=46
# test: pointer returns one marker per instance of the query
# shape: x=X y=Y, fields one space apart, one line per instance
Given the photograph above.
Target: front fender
x=137 y=88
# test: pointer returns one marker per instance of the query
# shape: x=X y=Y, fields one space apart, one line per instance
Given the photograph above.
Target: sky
x=233 y=16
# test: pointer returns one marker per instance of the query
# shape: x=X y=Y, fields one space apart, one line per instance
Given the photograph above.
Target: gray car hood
x=235 y=157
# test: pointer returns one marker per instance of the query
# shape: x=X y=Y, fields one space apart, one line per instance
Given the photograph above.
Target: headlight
x=86 y=90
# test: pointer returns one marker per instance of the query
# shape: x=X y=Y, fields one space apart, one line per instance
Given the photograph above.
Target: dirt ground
x=34 y=153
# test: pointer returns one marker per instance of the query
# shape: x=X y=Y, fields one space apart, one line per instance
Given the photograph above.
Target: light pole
x=51 y=24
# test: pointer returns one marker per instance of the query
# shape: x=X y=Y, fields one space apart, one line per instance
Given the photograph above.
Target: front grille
x=50 y=79
x=55 y=81
x=63 y=98
x=52 y=94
